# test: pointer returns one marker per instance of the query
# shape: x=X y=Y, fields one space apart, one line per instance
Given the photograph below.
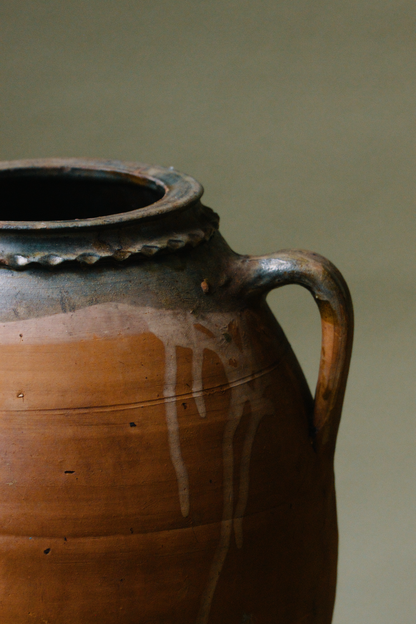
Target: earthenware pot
x=161 y=458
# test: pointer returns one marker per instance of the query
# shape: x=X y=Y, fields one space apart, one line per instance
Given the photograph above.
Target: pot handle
x=328 y=287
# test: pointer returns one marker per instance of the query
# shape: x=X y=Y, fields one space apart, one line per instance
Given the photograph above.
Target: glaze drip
x=225 y=339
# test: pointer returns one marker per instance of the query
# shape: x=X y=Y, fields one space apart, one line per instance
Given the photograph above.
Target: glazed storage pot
x=162 y=460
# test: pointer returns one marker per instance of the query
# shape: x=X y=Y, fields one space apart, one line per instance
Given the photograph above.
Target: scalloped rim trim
x=147 y=249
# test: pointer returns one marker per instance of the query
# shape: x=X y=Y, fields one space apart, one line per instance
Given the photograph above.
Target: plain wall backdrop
x=298 y=118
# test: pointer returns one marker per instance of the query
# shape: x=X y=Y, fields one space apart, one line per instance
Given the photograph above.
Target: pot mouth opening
x=33 y=196
x=68 y=193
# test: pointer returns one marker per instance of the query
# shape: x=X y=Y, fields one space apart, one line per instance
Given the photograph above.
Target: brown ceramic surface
x=162 y=459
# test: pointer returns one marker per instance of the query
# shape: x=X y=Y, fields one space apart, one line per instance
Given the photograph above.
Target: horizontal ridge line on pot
x=187 y=527
x=152 y=402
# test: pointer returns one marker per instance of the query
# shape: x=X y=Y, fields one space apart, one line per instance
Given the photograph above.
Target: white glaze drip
x=197 y=385
x=213 y=334
x=173 y=430
x=260 y=407
x=234 y=417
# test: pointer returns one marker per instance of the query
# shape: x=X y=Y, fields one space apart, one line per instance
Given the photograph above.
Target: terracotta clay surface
x=161 y=458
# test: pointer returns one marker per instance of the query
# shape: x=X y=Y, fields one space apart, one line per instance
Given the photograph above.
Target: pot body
x=155 y=447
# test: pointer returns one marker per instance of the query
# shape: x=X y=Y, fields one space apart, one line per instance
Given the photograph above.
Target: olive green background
x=298 y=118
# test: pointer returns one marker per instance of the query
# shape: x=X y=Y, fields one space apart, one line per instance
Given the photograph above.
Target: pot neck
x=71 y=210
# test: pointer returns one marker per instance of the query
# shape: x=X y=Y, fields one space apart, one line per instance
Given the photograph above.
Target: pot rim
x=180 y=190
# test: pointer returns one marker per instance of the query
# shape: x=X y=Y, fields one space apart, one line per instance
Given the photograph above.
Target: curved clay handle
x=328 y=287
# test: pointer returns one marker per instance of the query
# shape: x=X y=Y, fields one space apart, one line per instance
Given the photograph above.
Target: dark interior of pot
x=36 y=196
